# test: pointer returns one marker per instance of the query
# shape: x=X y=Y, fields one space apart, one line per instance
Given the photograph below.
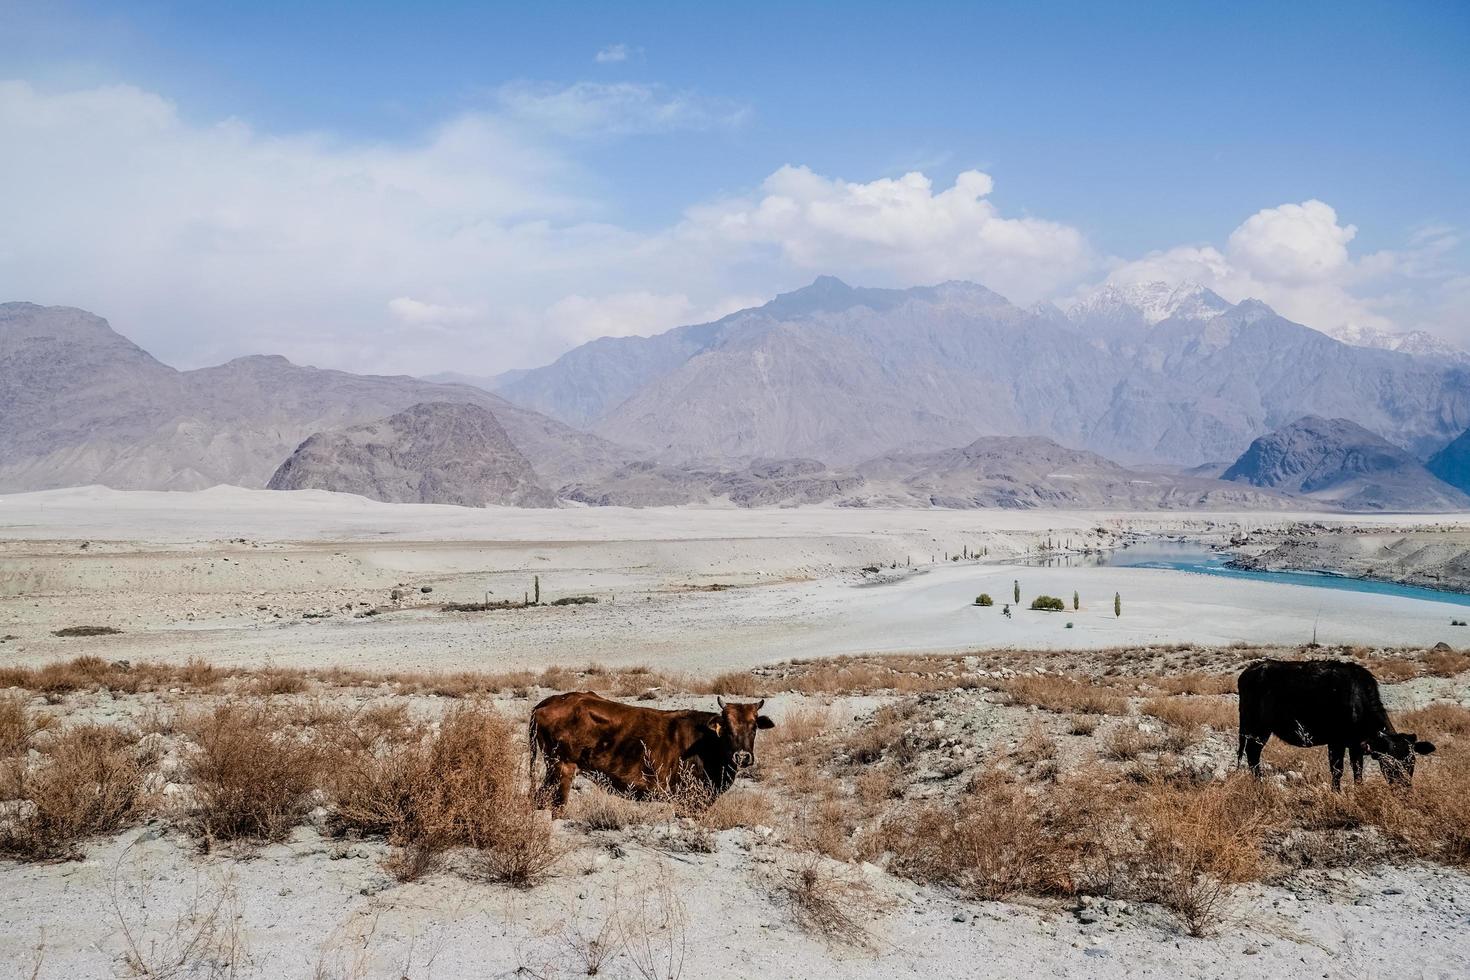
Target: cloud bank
x=483 y=243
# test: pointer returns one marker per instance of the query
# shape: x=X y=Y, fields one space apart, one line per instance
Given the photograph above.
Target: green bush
x=1048 y=602
x=983 y=599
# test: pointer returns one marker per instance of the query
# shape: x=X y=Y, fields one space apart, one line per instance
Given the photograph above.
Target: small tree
x=1016 y=590
x=536 y=581
x=1076 y=600
x=983 y=599
x=1117 y=604
x=1048 y=603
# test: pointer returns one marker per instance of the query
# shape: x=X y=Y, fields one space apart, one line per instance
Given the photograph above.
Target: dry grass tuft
x=823 y=904
x=1436 y=720
x=1066 y=695
x=17 y=725
x=1199 y=843
x=739 y=808
x=1190 y=712
x=461 y=788
x=90 y=783
x=1446 y=663
x=253 y=776
x=1083 y=724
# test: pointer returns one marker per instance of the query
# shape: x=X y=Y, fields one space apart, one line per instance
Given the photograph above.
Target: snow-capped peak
x=1406 y=342
x=1151 y=301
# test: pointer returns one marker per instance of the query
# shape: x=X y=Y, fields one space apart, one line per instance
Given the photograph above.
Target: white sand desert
x=253 y=580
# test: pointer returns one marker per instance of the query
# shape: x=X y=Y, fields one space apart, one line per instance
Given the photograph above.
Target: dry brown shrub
x=601 y=809
x=558 y=679
x=1003 y=840
x=1083 y=724
x=462 y=788
x=734 y=683
x=875 y=784
x=17 y=725
x=800 y=726
x=1195 y=683
x=1199 y=843
x=1035 y=747
x=199 y=673
x=1392 y=670
x=1193 y=712
x=1128 y=741
x=739 y=808
x=1438 y=719
x=90 y=783
x=824 y=904
x=275 y=680
x=252 y=775
x=827 y=826
x=1065 y=695
x=1446 y=663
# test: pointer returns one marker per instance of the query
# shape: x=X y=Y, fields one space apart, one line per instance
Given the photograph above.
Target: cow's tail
x=533 y=743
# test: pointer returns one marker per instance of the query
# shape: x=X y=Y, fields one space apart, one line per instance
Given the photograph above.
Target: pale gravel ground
x=167 y=568
x=164 y=568
x=301 y=908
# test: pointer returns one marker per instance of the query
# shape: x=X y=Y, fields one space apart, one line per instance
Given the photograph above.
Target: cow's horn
x=720 y=701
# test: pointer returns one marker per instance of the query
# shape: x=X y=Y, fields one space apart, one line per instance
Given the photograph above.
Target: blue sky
x=1117 y=130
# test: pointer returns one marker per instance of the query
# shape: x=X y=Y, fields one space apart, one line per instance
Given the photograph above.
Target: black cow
x=1322 y=702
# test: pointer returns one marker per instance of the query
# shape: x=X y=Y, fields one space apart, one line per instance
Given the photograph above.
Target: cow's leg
x=1253 y=746
x=1355 y=755
x=1334 y=762
x=554 y=788
x=565 y=773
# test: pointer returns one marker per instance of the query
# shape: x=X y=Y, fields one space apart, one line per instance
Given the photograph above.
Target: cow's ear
x=714 y=724
x=762 y=721
x=1424 y=748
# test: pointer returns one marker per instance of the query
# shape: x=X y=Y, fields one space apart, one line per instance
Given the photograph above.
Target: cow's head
x=735 y=726
x=1395 y=752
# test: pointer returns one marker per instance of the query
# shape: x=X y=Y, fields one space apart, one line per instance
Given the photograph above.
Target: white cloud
x=1295 y=258
x=478 y=246
x=613 y=54
x=615 y=108
x=414 y=311
x=1293 y=243
x=900 y=231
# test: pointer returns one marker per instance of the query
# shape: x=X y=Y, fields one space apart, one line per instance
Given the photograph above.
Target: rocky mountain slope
x=995 y=471
x=1452 y=463
x=1156 y=374
x=431 y=453
x=81 y=404
x=1340 y=461
x=1029 y=471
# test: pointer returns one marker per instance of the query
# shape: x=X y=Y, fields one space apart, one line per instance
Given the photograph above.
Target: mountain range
x=1146 y=374
x=1339 y=461
x=944 y=396
x=81 y=404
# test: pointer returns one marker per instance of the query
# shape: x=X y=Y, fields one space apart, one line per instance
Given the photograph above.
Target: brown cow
x=639 y=751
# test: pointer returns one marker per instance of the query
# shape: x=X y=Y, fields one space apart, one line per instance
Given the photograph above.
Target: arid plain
x=948 y=790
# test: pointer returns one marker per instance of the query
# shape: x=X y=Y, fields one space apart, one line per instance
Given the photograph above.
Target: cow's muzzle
x=743 y=760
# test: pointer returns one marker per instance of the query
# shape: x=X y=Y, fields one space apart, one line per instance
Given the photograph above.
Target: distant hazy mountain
x=1144 y=373
x=81 y=404
x=491 y=382
x=763 y=483
x=1340 y=461
x=998 y=471
x=1452 y=463
x=1416 y=342
x=1029 y=471
x=431 y=453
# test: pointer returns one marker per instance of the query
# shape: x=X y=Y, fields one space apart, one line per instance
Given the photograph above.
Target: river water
x=1191 y=557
